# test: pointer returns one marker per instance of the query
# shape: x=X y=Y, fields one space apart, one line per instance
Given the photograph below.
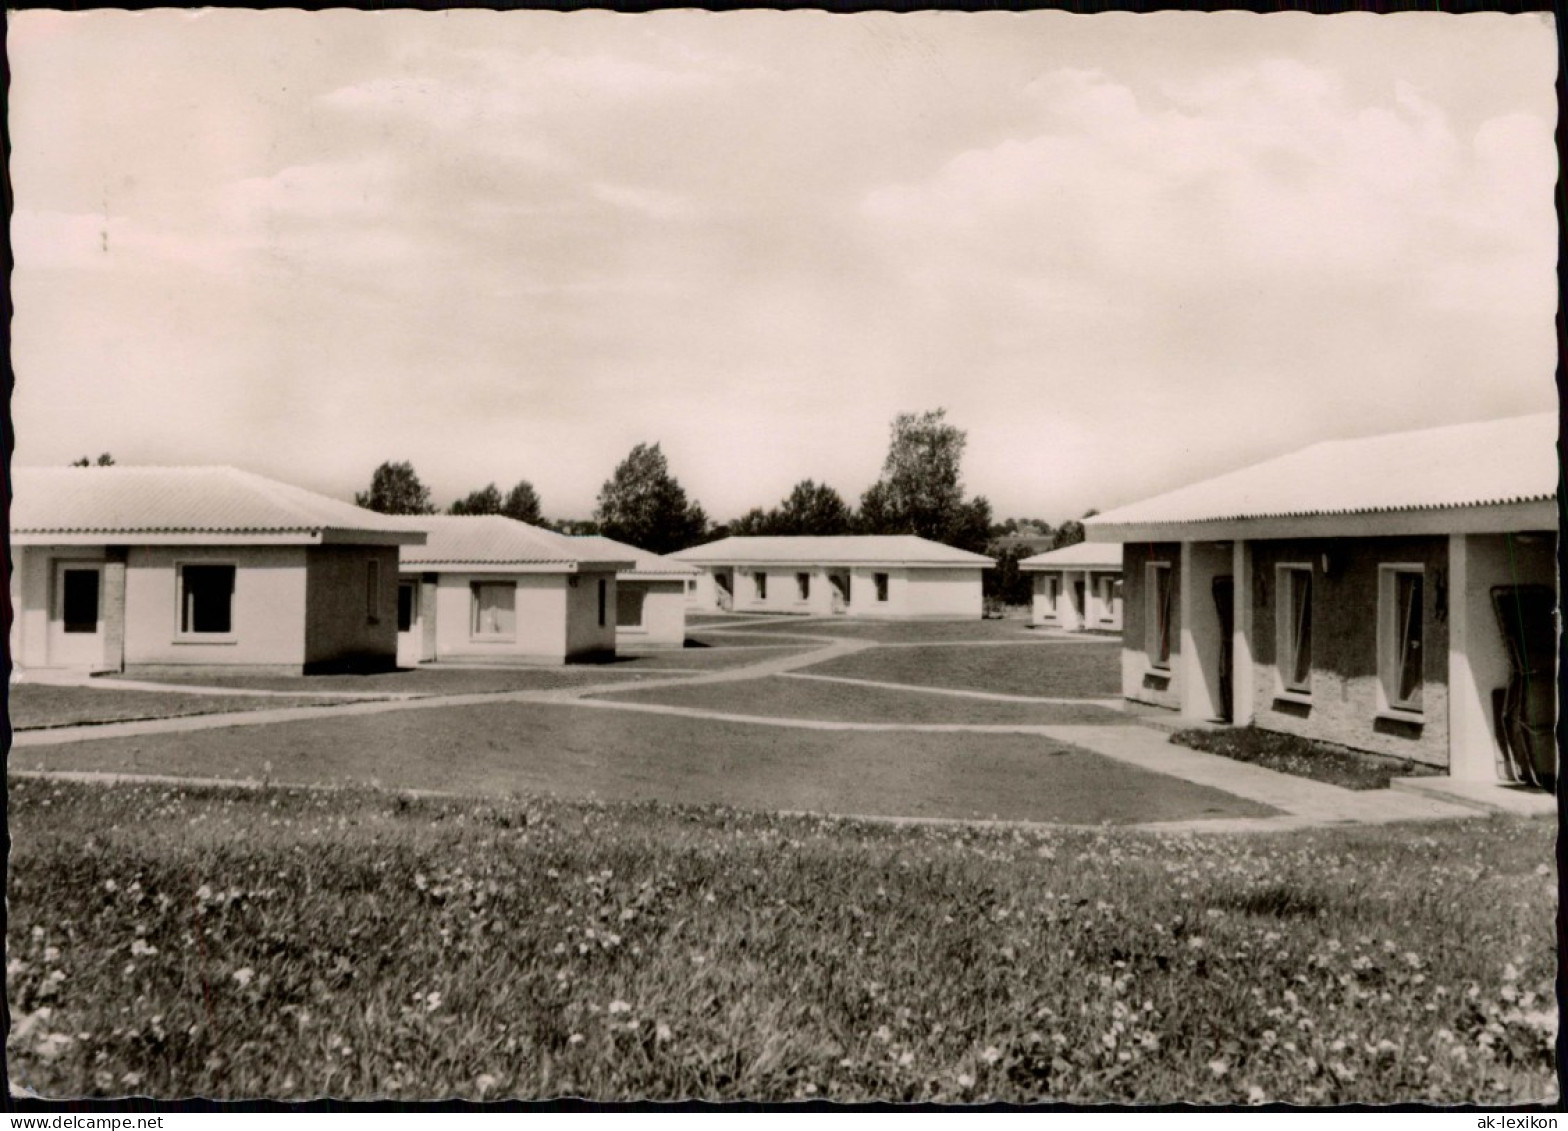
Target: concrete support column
x=427 y=616
x=1472 y=748
x=1242 y=682
x=1201 y=563
x=114 y=609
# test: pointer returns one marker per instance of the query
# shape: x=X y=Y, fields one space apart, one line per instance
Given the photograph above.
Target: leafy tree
x=105 y=460
x=920 y=490
x=522 y=503
x=574 y=526
x=1069 y=533
x=644 y=505
x=395 y=489
x=812 y=508
x=1005 y=581
x=486 y=500
x=754 y=522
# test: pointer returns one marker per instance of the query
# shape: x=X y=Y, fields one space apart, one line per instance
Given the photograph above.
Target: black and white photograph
x=787 y=558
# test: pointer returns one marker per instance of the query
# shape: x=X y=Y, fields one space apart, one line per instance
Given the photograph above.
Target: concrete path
x=1302 y=801
x=920 y=689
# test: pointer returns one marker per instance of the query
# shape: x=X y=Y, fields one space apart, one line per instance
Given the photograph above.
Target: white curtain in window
x=495 y=610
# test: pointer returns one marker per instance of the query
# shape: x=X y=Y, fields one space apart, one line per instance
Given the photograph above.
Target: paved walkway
x=1302 y=802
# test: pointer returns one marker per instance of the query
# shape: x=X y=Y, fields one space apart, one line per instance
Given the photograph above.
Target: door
x=76 y=616
x=1224 y=591
x=1080 y=605
x=410 y=632
x=724 y=589
x=839 y=583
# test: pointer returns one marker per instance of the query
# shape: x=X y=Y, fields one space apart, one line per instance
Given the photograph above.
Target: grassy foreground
x=280 y=943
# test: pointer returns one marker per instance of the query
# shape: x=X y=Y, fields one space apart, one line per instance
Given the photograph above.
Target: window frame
x=882 y=585
x=413 y=605
x=1157 y=644
x=622 y=594
x=474 y=586
x=759 y=584
x=604 y=591
x=1287 y=645
x=802 y=586
x=1391 y=636
x=183 y=635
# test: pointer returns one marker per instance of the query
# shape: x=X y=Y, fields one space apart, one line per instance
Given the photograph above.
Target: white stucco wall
x=268 y=611
x=783 y=590
x=1097 y=613
x=587 y=631
x=663 y=614
x=31 y=586
x=1478 y=659
x=555 y=620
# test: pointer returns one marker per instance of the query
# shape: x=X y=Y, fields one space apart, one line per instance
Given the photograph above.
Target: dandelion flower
x=991 y=1055
x=485 y=1082
x=243 y=976
x=1255 y=1094
x=619 y=1006
x=965 y=1080
x=575 y=1039
x=662 y=1033
x=1219 y=1067
x=906 y=1059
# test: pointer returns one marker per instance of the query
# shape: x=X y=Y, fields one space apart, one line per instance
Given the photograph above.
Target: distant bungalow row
x=1395 y=594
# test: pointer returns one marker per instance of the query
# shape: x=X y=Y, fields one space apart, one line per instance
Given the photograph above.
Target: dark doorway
x=1224 y=593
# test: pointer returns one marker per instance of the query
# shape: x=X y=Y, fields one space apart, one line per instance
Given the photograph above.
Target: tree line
x=919 y=491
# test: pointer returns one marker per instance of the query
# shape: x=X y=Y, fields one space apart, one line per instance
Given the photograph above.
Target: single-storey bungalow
x=491 y=589
x=1077 y=587
x=1394 y=594
x=898 y=576
x=140 y=568
x=650 y=597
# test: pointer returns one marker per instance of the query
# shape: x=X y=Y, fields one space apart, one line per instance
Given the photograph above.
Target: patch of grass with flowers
x=294 y=944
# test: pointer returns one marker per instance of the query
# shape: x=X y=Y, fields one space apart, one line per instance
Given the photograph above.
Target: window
x=1049 y=586
x=406 y=599
x=79 y=599
x=760 y=580
x=628 y=606
x=373 y=592
x=1157 y=628
x=803 y=583
x=604 y=596
x=881 y=583
x=206 y=599
x=1400 y=613
x=495 y=609
x=1293 y=631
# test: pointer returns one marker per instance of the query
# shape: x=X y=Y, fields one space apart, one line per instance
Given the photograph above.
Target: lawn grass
x=893 y=631
x=784 y=697
x=1291 y=754
x=33 y=706
x=1066 y=670
x=584 y=751
x=224 y=944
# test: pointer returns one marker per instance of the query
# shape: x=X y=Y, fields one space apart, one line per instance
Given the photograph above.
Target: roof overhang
x=1501 y=518
x=737 y=563
x=1070 y=567
x=216 y=538
x=412 y=565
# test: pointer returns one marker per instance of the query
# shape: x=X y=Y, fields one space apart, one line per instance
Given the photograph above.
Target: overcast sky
x=1123 y=251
